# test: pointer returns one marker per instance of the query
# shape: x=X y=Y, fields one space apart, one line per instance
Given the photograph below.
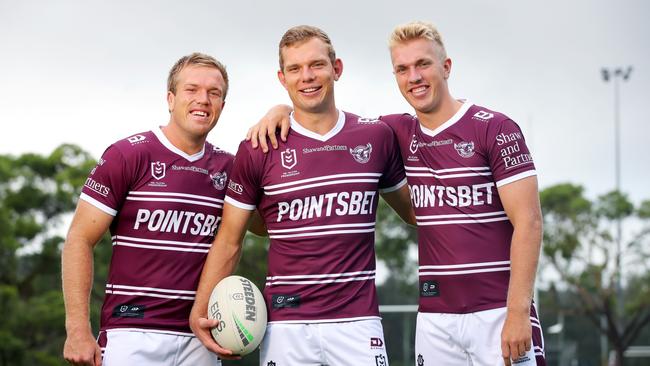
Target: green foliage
x=36 y=192
x=580 y=245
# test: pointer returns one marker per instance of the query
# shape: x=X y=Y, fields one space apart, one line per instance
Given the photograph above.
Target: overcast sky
x=92 y=72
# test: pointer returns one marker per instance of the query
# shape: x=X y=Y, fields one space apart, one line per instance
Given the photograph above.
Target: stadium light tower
x=616 y=75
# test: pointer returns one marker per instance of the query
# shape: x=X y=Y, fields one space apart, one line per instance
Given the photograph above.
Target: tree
x=580 y=246
x=36 y=193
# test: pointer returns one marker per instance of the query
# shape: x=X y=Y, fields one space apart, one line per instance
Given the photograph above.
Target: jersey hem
x=472 y=309
x=516 y=177
x=312 y=321
x=393 y=188
x=98 y=204
x=145 y=330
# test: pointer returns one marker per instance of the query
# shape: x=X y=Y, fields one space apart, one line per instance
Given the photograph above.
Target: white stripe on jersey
x=440 y=171
x=322 y=227
x=98 y=204
x=331 y=275
x=459 y=175
x=320 y=282
x=174 y=200
x=324 y=177
x=142 y=240
x=129 y=293
x=147 y=193
x=465 y=265
x=243 y=206
x=465 y=268
x=332 y=182
x=469 y=271
x=320 y=233
x=455 y=216
x=462 y=221
x=157 y=247
x=153 y=289
x=516 y=177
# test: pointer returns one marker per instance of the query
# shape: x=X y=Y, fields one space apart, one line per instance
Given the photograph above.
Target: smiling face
x=308 y=74
x=421 y=71
x=198 y=100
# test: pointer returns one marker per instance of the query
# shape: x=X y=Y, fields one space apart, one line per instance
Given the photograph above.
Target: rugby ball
x=239 y=307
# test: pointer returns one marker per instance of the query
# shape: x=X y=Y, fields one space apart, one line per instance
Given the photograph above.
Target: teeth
x=199 y=113
x=419 y=90
x=309 y=90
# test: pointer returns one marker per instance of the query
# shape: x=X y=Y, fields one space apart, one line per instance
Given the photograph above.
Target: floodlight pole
x=615 y=75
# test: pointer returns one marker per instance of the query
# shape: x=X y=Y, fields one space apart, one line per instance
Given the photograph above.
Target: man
x=318 y=198
x=474 y=190
x=161 y=194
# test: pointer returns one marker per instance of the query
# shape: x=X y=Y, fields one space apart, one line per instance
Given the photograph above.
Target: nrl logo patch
x=361 y=153
x=465 y=149
x=158 y=170
x=219 y=180
x=289 y=159
x=414 y=145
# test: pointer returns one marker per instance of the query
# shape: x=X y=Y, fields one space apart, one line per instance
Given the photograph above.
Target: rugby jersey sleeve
x=243 y=188
x=107 y=184
x=393 y=177
x=509 y=157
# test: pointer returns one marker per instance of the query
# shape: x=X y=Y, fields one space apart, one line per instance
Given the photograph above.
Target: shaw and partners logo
x=289 y=159
x=158 y=170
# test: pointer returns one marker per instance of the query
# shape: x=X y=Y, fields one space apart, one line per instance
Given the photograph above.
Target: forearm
x=221 y=262
x=77 y=274
x=524 y=257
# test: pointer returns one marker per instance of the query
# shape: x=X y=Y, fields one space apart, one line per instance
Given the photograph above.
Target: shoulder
x=367 y=124
x=486 y=116
x=135 y=145
x=218 y=153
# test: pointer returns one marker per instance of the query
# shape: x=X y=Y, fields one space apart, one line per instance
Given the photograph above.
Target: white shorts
x=472 y=339
x=356 y=343
x=137 y=347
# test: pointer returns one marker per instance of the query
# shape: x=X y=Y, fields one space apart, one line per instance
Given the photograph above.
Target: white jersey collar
x=168 y=144
x=296 y=127
x=450 y=122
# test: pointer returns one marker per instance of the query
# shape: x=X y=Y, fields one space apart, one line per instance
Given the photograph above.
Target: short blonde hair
x=303 y=33
x=417 y=30
x=196 y=59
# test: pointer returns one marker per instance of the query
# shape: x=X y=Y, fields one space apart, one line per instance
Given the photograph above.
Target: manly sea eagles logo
x=465 y=149
x=414 y=145
x=158 y=170
x=289 y=159
x=361 y=153
x=219 y=180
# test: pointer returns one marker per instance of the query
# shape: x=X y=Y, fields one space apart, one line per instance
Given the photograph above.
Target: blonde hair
x=417 y=30
x=194 y=59
x=303 y=33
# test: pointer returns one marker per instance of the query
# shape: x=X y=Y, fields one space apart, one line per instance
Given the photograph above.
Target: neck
x=444 y=111
x=317 y=122
x=184 y=141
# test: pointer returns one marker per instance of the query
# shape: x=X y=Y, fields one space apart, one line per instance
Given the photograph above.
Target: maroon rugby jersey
x=167 y=206
x=318 y=196
x=463 y=231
